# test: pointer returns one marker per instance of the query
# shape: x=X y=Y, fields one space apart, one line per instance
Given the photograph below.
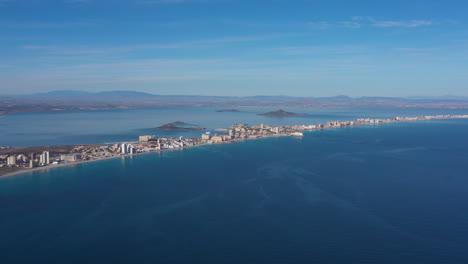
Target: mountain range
x=80 y=100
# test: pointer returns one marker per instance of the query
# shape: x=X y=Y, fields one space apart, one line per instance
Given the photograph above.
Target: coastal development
x=15 y=160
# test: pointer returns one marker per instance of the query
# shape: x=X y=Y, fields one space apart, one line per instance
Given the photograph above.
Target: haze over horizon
x=235 y=48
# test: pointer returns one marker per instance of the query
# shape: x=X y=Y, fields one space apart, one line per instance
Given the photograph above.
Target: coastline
x=234 y=140
x=28 y=170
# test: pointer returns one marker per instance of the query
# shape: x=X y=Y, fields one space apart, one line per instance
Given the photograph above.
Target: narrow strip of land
x=17 y=160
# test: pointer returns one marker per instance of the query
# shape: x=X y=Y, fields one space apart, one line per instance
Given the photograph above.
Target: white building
x=11 y=160
x=46 y=157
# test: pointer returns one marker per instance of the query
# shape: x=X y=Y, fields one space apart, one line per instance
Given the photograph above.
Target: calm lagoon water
x=106 y=126
x=395 y=193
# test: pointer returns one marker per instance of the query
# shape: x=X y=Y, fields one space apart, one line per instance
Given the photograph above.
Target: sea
x=391 y=193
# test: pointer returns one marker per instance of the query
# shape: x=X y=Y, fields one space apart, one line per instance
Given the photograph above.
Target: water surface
x=395 y=193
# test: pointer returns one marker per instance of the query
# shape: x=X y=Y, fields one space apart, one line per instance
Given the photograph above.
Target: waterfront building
x=11 y=160
x=31 y=164
x=128 y=148
x=146 y=138
x=71 y=157
x=46 y=158
x=123 y=148
x=216 y=139
x=206 y=136
x=21 y=158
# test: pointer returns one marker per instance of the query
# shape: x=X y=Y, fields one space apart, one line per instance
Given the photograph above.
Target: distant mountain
x=71 y=93
x=66 y=100
x=124 y=94
x=335 y=98
x=444 y=97
x=271 y=98
x=62 y=93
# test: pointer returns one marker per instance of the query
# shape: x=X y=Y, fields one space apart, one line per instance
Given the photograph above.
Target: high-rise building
x=46 y=157
x=11 y=160
x=21 y=158
x=123 y=148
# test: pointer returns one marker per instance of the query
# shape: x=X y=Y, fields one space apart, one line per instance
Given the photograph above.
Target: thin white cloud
x=321 y=50
x=194 y=44
x=406 y=24
x=356 y=22
x=416 y=49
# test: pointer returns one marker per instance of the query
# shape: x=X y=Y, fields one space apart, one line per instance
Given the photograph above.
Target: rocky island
x=280 y=113
x=228 y=110
x=178 y=125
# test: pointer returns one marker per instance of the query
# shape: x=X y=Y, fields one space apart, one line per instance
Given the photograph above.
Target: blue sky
x=229 y=47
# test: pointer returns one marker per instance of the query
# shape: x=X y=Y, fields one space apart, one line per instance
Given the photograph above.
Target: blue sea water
x=394 y=193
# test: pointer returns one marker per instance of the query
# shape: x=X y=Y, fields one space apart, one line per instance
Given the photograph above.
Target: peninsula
x=16 y=160
x=281 y=113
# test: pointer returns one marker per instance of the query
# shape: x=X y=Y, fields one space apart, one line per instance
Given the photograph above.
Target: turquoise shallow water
x=395 y=193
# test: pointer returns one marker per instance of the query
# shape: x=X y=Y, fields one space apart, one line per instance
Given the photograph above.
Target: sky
x=236 y=47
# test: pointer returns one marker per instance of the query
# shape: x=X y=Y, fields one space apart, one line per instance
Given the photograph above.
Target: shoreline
x=21 y=171
x=28 y=170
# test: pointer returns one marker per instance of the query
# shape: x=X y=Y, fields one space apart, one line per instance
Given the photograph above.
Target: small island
x=281 y=113
x=228 y=110
x=177 y=126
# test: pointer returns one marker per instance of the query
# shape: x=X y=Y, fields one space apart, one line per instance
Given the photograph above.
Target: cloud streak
x=194 y=44
x=406 y=24
x=357 y=22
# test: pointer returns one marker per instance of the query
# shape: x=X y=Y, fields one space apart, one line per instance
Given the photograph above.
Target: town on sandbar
x=15 y=160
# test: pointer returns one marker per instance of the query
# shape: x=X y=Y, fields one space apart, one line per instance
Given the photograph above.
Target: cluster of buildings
x=30 y=160
x=150 y=143
x=243 y=131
